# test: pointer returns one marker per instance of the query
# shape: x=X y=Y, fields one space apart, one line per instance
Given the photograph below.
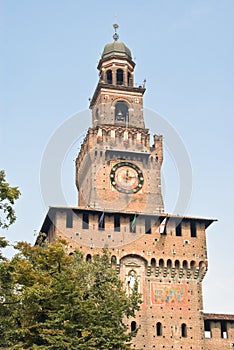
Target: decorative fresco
x=169 y=294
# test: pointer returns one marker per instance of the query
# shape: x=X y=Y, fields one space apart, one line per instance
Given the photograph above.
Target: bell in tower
x=121 y=112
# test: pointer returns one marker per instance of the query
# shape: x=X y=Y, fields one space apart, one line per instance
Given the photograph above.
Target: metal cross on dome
x=116 y=35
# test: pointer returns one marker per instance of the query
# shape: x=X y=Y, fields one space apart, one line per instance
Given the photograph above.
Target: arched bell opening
x=109 y=78
x=130 y=79
x=121 y=112
x=119 y=77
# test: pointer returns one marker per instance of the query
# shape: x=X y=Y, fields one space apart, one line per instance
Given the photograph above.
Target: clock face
x=126 y=177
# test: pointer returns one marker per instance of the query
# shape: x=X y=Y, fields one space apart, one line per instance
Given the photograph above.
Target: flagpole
x=133 y=223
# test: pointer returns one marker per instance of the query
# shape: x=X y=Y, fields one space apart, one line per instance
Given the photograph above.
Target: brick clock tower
x=120 y=206
x=117 y=168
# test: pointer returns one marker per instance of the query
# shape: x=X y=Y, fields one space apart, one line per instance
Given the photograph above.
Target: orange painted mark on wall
x=169 y=294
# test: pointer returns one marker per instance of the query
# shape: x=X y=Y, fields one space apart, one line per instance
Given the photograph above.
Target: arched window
x=119 y=77
x=183 y=330
x=88 y=257
x=158 y=329
x=133 y=326
x=121 y=112
x=185 y=264
x=109 y=77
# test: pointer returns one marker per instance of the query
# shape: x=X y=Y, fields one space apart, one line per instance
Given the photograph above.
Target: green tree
x=3 y=244
x=8 y=195
x=52 y=300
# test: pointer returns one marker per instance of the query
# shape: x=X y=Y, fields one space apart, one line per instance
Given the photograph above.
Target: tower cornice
x=115 y=57
x=128 y=89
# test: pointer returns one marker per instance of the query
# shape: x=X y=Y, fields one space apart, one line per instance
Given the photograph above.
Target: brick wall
x=169 y=268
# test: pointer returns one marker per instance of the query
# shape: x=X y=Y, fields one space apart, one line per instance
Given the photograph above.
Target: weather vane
x=116 y=35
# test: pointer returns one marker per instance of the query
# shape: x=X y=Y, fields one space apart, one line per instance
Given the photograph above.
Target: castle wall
x=219 y=331
x=118 y=177
x=169 y=267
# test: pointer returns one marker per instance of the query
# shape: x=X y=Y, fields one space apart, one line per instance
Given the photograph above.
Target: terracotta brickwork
x=120 y=207
x=104 y=147
x=169 y=267
x=168 y=263
x=103 y=113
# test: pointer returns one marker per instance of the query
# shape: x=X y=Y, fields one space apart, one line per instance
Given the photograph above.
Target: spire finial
x=116 y=35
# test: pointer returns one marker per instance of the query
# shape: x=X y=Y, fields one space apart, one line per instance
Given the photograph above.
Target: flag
x=133 y=223
x=101 y=220
x=162 y=227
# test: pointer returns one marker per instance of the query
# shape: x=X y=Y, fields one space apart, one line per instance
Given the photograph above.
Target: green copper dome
x=116 y=48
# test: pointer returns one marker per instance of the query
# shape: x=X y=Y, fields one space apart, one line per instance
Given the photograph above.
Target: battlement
x=219 y=331
x=164 y=240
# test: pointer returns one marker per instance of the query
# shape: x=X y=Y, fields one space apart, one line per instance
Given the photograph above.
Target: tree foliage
x=8 y=195
x=52 y=300
x=3 y=244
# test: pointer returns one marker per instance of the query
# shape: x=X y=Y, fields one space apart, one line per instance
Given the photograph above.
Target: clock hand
x=126 y=176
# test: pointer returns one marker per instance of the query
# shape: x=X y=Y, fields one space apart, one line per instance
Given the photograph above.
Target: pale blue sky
x=184 y=49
